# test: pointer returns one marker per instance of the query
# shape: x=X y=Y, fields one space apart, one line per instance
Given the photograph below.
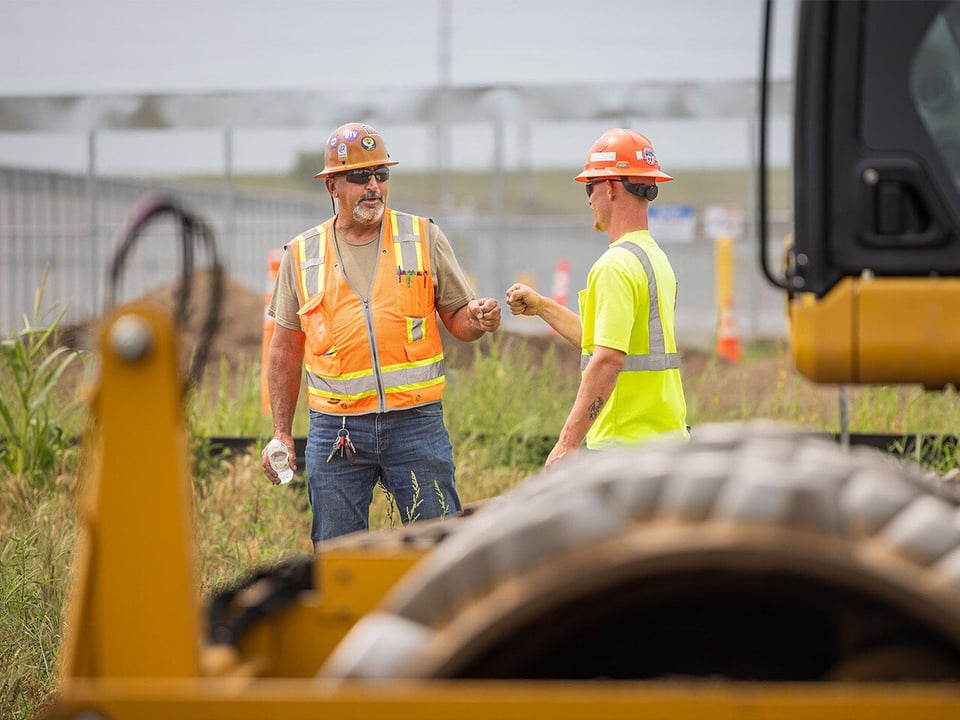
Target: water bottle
x=280 y=460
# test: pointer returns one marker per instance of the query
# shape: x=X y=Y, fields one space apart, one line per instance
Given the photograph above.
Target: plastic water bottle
x=280 y=460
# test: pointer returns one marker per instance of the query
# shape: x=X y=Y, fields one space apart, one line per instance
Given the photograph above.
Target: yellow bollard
x=728 y=344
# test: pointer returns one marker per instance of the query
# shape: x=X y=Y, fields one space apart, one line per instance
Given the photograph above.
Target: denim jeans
x=408 y=450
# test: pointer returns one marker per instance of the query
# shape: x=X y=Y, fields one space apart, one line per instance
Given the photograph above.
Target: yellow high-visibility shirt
x=629 y=305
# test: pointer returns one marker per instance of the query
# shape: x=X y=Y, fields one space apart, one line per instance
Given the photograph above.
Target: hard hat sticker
x=602 y=156
x=368 y=143
x=342 y=150
x=647 y=154
x=369 y=130
x=351 y=134
x=333 y=140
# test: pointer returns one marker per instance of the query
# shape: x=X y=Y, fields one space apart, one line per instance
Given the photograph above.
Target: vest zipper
x=374 y=356
x=368 y=318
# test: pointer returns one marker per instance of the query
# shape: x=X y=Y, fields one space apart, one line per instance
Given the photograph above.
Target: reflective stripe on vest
x=311 y=249
x=658 y=358
x=415 y=329
x=407 y=249
x=353 y=386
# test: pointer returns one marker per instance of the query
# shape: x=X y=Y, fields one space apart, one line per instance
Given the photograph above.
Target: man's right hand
x=523 y=300
x=268 y=470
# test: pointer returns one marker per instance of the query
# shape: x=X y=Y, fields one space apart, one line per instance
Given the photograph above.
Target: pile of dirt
x=239 y=337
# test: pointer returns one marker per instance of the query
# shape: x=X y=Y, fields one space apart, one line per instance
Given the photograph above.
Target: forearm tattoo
x=595 y=407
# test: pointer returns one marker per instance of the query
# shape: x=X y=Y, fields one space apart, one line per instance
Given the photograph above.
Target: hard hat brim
x=603 y=173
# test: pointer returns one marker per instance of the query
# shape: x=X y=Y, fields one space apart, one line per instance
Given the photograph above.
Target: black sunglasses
x=589 y=186
x=363 y=175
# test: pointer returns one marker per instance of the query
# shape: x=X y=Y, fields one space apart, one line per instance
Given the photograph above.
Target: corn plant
x=34 y=440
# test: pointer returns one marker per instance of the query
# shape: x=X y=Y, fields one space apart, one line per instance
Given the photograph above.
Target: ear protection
x=647 y=192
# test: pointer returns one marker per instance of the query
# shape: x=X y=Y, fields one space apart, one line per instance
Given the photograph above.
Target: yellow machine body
x=879 y=330
x=134 y=581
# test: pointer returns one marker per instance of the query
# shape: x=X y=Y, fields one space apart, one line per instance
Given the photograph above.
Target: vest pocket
x=420 y=350
x=328 y=366
x=318 y=340
x=413 y=295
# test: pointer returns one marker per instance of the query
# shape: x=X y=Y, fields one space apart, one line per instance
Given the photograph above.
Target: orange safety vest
x=376 y=355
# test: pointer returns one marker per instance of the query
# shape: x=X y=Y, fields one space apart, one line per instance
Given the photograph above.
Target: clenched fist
x=486 y=313
x=523 y=300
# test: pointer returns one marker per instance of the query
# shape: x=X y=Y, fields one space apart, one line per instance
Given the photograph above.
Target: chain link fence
x=68 y=227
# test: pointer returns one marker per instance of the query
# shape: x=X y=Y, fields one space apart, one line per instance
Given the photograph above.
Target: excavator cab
x=873 y=275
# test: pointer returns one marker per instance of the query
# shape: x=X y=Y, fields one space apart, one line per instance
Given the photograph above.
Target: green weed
x=507 y=408
x=385 y=513
x=33 y=412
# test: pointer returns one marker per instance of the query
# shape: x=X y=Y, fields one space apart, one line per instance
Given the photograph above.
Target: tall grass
x=503 y=411
x=33 y=414
x=37 y=533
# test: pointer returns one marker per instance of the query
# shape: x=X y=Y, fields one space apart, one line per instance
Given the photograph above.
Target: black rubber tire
x=751 y=552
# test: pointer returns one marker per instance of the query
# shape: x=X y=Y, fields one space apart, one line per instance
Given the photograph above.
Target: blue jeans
x=408 y=450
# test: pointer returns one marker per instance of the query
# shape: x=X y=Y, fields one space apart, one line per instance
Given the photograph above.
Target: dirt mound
x=239 y=336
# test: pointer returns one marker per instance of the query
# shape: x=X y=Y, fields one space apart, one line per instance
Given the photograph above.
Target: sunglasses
x=363 y=175
x=589 y=186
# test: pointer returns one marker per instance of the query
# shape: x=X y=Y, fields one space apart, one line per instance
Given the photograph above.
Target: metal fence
x=69 y=226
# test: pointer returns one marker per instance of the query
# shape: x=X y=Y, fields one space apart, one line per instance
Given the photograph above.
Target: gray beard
x=367 y=216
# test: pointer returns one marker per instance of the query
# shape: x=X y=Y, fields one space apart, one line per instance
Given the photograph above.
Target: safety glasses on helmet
x=362 y=176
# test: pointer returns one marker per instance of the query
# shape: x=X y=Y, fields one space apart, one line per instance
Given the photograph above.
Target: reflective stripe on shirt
x=657 y=358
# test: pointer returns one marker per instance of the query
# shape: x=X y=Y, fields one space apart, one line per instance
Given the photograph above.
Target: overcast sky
x=71 y=47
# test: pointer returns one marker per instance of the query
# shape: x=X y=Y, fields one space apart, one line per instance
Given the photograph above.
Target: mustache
x=372 y=196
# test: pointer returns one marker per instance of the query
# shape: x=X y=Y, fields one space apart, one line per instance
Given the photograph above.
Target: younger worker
x=630 y=386
x=356 y=304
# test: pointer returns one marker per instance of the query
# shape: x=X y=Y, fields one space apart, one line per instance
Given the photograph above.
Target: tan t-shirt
x=359 y=262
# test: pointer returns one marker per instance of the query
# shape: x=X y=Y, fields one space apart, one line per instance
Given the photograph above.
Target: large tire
x=752 y=552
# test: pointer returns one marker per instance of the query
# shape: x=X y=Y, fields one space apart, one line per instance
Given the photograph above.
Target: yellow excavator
x=753 y=572
x=873 y=276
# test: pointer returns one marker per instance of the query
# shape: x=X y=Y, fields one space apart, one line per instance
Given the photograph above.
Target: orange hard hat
x=353 y=146
x=622 y=153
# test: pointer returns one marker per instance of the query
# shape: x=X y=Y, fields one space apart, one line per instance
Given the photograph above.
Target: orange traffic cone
x=728 y=344
x=273 y=267
x=561 y=281
x=561 y=284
